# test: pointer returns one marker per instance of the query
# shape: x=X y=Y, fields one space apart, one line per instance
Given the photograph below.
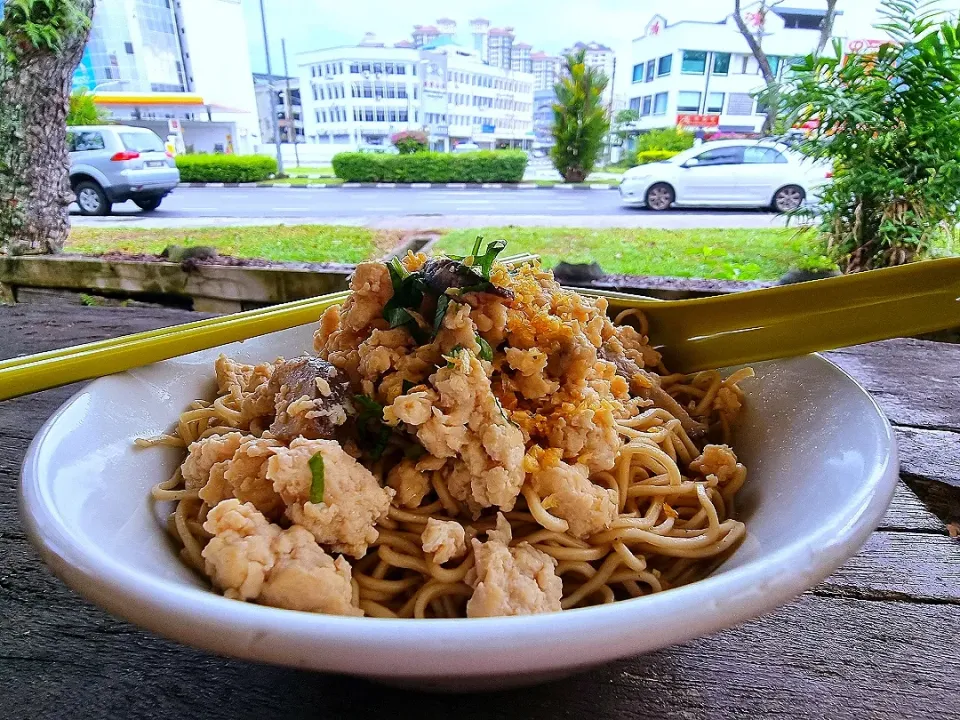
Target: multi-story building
x=150 y=61
x=600 y=57
x=545 y=69
x=520 y=58
x=702 y=74
x=543 y=101
x=479 y=30
x=500 y=47
x=275 y=111
x=363 y=94
x=424 y=35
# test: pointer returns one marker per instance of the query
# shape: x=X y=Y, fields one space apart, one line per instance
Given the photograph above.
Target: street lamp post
x=276 y=125
x=292 y=123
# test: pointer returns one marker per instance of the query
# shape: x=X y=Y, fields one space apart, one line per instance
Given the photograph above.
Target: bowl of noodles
x=464 y=476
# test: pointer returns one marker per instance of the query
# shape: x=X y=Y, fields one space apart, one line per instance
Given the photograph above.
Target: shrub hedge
x=433 y=167
x=651 y=156
x=225 y=168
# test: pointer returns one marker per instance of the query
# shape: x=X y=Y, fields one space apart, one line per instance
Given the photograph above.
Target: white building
x=363 y=94
x=701 y=74
x=151 y=61
x=545 y=68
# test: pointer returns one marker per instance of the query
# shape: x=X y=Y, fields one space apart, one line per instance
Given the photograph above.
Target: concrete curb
x=408 y=186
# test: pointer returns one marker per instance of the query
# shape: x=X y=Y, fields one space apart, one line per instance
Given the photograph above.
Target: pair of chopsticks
x=24 y=375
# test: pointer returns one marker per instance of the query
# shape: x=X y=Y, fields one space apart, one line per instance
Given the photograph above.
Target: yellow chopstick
x=21 y=376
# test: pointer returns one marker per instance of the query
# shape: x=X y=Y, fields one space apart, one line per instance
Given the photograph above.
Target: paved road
x=414 y=208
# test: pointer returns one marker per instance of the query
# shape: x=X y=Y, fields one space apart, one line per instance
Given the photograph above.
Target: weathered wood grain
x=877 y=639
x=916 y=382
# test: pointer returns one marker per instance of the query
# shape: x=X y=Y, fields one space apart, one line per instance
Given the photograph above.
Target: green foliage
x=672 y=139
x=433 y=167
x=225 y=168
x=890 y=125
x=623 y=118
x=38 y=24
x=651 y=156
x=83 y=111
x=410 y=141
x=580 y=121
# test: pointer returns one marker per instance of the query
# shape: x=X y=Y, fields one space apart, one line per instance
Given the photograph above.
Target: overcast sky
x=549 y=25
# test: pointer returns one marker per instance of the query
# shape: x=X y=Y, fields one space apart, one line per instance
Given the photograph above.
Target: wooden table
x=880 y=638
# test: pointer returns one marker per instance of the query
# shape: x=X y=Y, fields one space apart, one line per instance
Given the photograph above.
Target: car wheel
x=660 y=197
x=149 y=204
x=788 y=198
x=91 y=198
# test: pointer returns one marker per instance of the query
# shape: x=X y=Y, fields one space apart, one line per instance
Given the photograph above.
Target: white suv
x=727 y=173
x=115 y=163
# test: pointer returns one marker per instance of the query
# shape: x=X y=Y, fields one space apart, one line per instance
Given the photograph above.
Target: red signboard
x=698 y=121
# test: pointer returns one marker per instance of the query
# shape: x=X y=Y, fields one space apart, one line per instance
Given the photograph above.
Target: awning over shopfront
x=187 y=102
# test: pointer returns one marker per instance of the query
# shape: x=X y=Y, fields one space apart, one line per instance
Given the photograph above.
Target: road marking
x=422 y=185
x=563 y=187
x=530 y=186
x=280 y=185
x=351 y=185
x=386 y=185
x=456 y=185
x=492 y=186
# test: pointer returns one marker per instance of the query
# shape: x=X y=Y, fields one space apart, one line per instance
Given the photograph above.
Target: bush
x=225 y=168
x=433 y=167
x=410 y=141
x=651 y=156
x=665 y=139
x=889 y=124
x=83 y=111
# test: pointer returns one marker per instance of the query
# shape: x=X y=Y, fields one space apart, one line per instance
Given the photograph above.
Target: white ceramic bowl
x=822 y=468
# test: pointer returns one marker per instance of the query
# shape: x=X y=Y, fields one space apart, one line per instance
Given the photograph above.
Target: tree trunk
x=756 y=48
x=826 y=27
x=34 y=165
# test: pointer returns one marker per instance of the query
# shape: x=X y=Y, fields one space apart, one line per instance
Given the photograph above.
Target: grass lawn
x=718 y=254
x=298 y=243
x=305 y=181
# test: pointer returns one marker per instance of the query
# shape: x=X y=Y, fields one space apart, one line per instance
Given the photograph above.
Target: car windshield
x=141 y=141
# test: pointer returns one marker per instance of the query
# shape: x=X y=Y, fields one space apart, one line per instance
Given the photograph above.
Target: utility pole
x=613 y=91
x=290 y=118
x=276 y=125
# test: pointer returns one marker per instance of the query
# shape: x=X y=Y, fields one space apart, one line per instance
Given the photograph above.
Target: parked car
x=466 y=147
x=115 y=163
x=727 y=173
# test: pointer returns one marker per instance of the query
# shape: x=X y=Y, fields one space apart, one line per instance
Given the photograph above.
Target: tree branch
x=753 y=41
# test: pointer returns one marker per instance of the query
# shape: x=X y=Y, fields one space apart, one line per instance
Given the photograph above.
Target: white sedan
x=727 y=173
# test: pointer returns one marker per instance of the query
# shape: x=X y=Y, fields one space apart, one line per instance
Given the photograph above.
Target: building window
x=378 y=91
x=357 y=114
x=635 y=104
x=391 y=90
x=715 y=102
x=721 y=63
x=774 y=61
x=740 y=104
x=402 y=91
x=651 y=68
x=368 y=114
x=314 y=92
x=365 y=67
x=744 y=64
x=388 y=67
x=647 y=106
x=380 y=115
x=313 y=71
x=664 y=65
x=688 y=101
x=378 y=68
x=323 y=114
x=660 y=104
x=340 y=66
x=317 y=114
x=694 y=62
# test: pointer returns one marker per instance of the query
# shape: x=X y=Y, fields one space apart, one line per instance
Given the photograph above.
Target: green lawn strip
x=748 y=254
x=313 y=171
x=297 y=243
x=598 y=181
x=304 y=181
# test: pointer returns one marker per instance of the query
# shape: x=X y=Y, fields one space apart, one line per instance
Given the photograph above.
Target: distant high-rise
x=544 y=68
x=520 y=58
x=600 y=57
x=500 y=47
x=447 y=28
x=479 y=28
x=424 y=35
